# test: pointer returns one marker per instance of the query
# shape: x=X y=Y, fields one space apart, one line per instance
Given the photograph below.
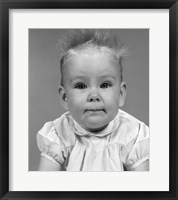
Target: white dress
x=122 y=145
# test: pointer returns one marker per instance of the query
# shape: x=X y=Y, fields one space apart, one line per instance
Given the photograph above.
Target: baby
x=94 y=134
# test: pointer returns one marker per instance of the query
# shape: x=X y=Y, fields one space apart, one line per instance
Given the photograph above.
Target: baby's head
x=92 y=86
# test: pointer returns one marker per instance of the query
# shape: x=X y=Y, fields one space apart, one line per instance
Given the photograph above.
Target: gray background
x=44 y=76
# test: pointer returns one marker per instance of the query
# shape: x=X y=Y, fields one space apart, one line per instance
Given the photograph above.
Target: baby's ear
x=122 y=94
x=63 y=97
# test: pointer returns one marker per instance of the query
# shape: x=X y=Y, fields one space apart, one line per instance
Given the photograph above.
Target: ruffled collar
x=78 y=130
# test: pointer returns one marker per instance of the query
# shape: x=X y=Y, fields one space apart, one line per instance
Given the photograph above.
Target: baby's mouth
x=95 y=110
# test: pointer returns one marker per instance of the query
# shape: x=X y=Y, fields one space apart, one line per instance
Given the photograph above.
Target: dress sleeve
x=50 y=144
x=136 y=150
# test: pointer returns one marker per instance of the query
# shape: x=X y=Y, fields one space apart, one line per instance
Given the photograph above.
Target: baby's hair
x=94 y=39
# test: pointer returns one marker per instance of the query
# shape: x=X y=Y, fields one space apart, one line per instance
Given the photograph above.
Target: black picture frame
x=5 y=6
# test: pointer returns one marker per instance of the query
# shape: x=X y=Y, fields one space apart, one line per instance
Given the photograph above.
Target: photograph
x=89 y=100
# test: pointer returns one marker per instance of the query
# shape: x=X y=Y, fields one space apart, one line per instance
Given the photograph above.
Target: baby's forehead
x=89 y=63
x=99 y=53
x=112 y=49
x=91 y=49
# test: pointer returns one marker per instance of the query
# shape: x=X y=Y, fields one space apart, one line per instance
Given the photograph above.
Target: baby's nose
x=94 y=95
x=93 y=98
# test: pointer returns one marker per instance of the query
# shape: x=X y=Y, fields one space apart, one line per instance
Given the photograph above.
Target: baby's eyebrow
x=78 y=78
x=86 y=79
x=108 y=76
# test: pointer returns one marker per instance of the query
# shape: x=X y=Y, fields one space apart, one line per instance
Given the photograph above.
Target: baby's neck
x=97 y=130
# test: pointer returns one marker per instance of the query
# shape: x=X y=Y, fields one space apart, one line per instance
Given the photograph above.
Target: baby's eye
x=80 y=86
x=106 y=85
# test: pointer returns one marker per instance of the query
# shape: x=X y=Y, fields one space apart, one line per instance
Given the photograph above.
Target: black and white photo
x=91 y=132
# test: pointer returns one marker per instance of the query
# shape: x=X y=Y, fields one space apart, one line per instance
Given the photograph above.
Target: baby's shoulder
x=131 y=127
x=128 y=119
x=59 y=130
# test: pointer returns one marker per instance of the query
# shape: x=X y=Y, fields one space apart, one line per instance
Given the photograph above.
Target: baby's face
x=93 y=89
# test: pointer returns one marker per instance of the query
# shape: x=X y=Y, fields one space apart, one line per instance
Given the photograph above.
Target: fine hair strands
x=94 y=39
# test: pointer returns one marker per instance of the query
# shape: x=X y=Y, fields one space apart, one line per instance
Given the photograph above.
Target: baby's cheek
x=76 y=102
x=111 y=98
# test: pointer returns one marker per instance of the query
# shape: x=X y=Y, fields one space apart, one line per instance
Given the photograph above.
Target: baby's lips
x=95 y=109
